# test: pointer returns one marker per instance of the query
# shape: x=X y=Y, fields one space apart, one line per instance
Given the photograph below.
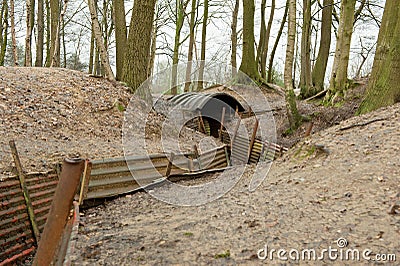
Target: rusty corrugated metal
x=16 y=237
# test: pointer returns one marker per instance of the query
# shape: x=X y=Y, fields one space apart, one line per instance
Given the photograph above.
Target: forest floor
x=340 y=182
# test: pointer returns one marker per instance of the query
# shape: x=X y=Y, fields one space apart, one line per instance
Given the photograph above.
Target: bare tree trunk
x=192 y=27
x=234 y=37
x=139 y=43
x=13 y=36
x=2 y=13
x=55 y=61
x=63 y=43
x=180 y=17
x=91 y=52
x=3 y=31
x=48 y=33
x=203 y=46
x=40 y=34
x=263 y=33
x=99 y=41
x=96 y=62
x=54 y=54
x=384 y=84
x=28 y=37
x=339 y=81
x=305 y=72
x=120 y=35
x=272 y=56
x=291 y=106
x=318 y=73
x=264 y=52
x=153 y=48
x=248 y=65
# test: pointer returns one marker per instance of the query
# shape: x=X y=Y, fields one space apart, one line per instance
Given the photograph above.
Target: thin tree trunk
x=48 y=33
x=192 y=27
x=318 y=73
x=99 y=41
x=305 y=72
x=55 y=61
x=63 y=43
x=97 y=64
x=234 y=37
x=339 y=82
x=263 y=33
x=180 y=16
x=203 y=46
x=272 y=56
x=264 y=53
x=291 y=106
x=40 y=34
x=139 y=43
x=13 y=36
x=2 y=13
x=91 y=52
x=28 y=37
x=3 y=31
x=153 y=48
x=54 y=53
x=120 y=35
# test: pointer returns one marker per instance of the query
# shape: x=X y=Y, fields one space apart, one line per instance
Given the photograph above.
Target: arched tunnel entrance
x=210 y=108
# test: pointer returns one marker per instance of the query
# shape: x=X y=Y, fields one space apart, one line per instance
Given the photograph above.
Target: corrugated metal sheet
x=112 y=177
x=196 y=101
x=261 y=150
x=16 y=236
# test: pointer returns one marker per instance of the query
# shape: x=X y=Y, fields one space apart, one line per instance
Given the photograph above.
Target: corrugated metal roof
x=196 y=101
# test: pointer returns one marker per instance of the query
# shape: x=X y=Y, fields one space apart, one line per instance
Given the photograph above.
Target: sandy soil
x=340 y=183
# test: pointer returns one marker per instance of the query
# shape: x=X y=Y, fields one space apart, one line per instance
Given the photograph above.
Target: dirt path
x=342 y=188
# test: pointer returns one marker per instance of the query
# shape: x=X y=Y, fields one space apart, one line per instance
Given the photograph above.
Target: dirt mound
x=54 y=113
x=57 y=113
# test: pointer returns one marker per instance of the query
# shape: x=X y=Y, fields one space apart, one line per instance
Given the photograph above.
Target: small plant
x=188 y=234
x=226 y=254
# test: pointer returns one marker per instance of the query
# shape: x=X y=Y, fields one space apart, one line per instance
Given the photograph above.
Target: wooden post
x=85 y=181
x=228 y=162
x=190 y=162
x=202 y=123
x=253 y=138
x=169 y=166
x=235 y=131
x=309 y=128
x=222 y=122
x=21 y=176
x=196 y=155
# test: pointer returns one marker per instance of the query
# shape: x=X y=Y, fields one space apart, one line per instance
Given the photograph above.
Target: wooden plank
x=235 y=131
x=85 y=181
x=253 y=138
x=169 y=167
x=21 y=176
x=222 y=122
